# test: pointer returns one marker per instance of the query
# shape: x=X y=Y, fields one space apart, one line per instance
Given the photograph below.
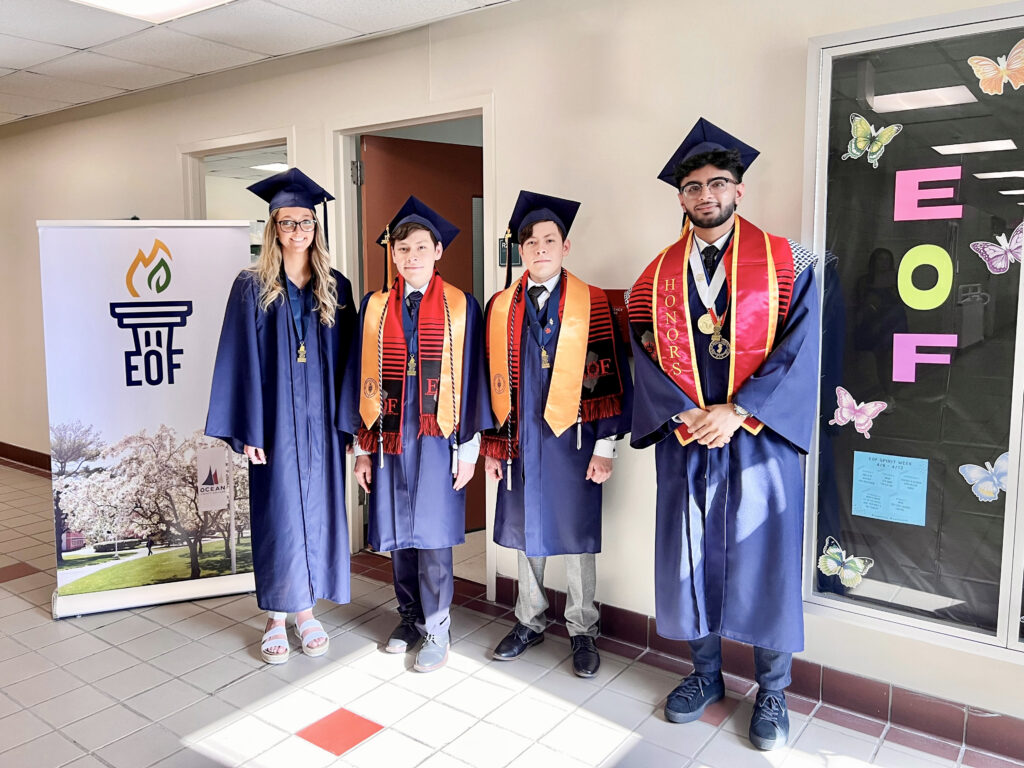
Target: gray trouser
x=580 y=612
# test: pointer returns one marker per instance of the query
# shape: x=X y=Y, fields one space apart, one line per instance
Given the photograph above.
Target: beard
x=712 y=220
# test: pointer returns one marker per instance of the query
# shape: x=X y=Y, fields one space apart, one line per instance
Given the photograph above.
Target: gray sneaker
x=433 y=654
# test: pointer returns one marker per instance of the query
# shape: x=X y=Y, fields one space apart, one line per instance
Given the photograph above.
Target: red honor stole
x=441 y=329
x=758 y=273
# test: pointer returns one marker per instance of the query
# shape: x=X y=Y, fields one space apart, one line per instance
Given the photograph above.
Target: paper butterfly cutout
x=862 y=415
x=867 y=139
x=834 y=562
x=999 y=255
x=986 y=482
x=1005 y=69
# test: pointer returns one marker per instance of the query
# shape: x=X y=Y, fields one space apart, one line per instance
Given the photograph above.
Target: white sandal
x=316 y=634
x=275 y=637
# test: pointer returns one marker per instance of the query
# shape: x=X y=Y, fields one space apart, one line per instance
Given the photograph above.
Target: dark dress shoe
x=585 y=661
x=516 y=642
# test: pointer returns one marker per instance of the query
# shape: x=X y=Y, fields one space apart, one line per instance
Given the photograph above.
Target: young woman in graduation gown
x=284 y=393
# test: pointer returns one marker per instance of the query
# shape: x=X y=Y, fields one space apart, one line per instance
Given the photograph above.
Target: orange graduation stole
x=586 y=383
x=385 y=361
x=759 y=277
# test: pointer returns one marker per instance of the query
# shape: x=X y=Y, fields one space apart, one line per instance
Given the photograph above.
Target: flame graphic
x=159 y=277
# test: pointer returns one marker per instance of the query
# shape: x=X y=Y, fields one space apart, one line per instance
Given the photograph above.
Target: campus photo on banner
x=146 y=508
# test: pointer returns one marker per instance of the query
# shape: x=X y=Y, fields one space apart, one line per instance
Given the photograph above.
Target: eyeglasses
x=717 y=186
x=306 y=225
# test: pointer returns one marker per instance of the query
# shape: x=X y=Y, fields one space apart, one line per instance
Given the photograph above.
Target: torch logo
x=154 y=359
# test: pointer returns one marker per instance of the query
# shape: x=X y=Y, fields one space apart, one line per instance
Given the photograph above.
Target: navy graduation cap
x=532 y=207
x=418 y=212
x=290 y=189
x=705 y=137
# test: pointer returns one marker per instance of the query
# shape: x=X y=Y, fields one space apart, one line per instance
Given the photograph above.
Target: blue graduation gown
x=299 y=413
x=729 y=529
x=412 y=502
x=552 y=508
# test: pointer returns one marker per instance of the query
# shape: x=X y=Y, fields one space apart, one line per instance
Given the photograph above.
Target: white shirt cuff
x=605 y=448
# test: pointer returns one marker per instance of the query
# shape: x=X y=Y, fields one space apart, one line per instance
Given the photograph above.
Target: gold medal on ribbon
x=545 y=361
x=410 y=369
x=705 y=324
x=302 y=353
x=718 y=347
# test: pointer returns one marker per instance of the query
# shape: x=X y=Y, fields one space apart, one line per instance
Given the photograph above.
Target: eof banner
x=146 y=508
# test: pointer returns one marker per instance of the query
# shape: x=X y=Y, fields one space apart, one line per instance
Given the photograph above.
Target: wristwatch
x=740 y=410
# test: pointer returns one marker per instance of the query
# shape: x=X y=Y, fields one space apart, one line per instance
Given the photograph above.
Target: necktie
x=535 y=295
x=708 y=254
x=412 y=301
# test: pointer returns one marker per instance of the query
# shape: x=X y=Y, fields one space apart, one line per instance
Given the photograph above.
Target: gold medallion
x=545 y=361
x=705 y=324
x=302 y=352
x=410 y=369
x=718 y=348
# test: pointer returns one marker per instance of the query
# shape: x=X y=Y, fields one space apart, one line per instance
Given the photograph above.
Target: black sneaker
x=692 y=696
x=769 y=725
x=404 y=636
x=515 y=643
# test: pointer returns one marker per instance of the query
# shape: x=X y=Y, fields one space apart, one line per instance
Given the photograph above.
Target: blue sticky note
x=893 y=488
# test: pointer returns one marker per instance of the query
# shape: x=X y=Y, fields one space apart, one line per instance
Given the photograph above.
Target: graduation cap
x=415 y=211
x=292 y=189
x=705 y=137
x=532 y=207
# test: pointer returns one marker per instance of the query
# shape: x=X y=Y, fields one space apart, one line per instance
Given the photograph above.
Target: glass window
x=923 y=233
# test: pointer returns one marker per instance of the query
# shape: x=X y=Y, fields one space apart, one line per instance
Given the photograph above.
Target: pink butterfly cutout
x=998 y=255
x=862 y=415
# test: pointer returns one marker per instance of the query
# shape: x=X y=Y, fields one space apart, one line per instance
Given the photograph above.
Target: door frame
x=340 y=134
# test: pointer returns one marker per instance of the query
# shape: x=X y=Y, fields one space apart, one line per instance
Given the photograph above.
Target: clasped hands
x=713 y=427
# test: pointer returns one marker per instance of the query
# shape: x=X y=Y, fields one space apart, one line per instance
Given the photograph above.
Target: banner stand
x=67 y=606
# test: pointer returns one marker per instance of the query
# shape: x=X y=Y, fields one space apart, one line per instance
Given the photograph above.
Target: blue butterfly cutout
x=986 y=482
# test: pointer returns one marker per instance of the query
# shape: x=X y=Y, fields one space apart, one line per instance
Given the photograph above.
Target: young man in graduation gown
x=725 y=338
x=283 y=392
x=562 y=394
x=423 y=403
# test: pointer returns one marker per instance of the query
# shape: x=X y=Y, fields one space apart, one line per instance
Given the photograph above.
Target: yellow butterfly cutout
x=1005 y=69
x=867 y=140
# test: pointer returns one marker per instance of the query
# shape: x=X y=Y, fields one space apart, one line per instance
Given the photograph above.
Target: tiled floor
x=182 y=685
x=470 y=559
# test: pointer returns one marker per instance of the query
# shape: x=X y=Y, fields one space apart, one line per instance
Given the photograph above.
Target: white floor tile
x=616 y=708
x=47 y=751
x=165 y=699
x=635 y=752
x=239 y=741
x=132 y=681
x=585 y=738
x=390 y=748
x=295 y=711
x=730 y=750
x=684 y=738
x=435 y=724
x=488 y=746
x=818 y=745
x=344 y=684
x=105 y=727
x=540 y=756
x=644 y=683
x=475 y=697
x=73 y=706
x=294 y=752
x=891 y=756
x=20 y=727
x=527 y=716
x=142 y=748
x=386 y=704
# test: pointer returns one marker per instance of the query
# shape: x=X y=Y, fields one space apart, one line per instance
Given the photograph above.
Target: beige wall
x=589 y=99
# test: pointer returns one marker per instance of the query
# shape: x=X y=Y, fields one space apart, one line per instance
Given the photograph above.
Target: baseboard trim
x=25 y=456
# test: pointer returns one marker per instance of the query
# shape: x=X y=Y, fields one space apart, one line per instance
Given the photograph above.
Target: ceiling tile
x=257 y=25
x=64 y=23
x=54 y=88
x=7 y=117
x=20 y=53
x=380 y=15
x=87 y=67
x=163 y=47
x=25 y=105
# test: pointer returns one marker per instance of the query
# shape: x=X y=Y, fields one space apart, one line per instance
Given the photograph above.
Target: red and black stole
x=759 y=277
x=441 y=328
x=586 y=383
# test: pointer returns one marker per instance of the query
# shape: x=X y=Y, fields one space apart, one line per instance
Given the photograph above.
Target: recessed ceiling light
x=975 y=146
x=1000 y=175
x=933 y=97
x=275 y=167
x=154 y=11
x=1011 y=191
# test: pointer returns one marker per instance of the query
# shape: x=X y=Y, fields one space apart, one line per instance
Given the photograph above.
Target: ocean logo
x=153 y=359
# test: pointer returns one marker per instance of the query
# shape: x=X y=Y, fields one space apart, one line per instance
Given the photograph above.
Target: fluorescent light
x=1000 y=175
x=154 y=11
x=933 y=97
x=975 y=146
x=1011 y=191
x=275 y=167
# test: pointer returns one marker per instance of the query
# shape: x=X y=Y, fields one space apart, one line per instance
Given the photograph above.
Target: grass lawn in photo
x=77 y=561
x=160 y=568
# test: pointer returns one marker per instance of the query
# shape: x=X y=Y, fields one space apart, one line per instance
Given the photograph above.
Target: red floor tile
x=339 y=731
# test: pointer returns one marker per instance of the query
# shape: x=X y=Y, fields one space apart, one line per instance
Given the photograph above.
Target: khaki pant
x=580 y=612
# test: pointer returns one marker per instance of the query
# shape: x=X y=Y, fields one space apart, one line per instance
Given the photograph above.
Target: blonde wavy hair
x=268 y=271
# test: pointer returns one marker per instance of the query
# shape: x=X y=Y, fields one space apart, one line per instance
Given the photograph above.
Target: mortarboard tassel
x=508 y=258
x=327 y=239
